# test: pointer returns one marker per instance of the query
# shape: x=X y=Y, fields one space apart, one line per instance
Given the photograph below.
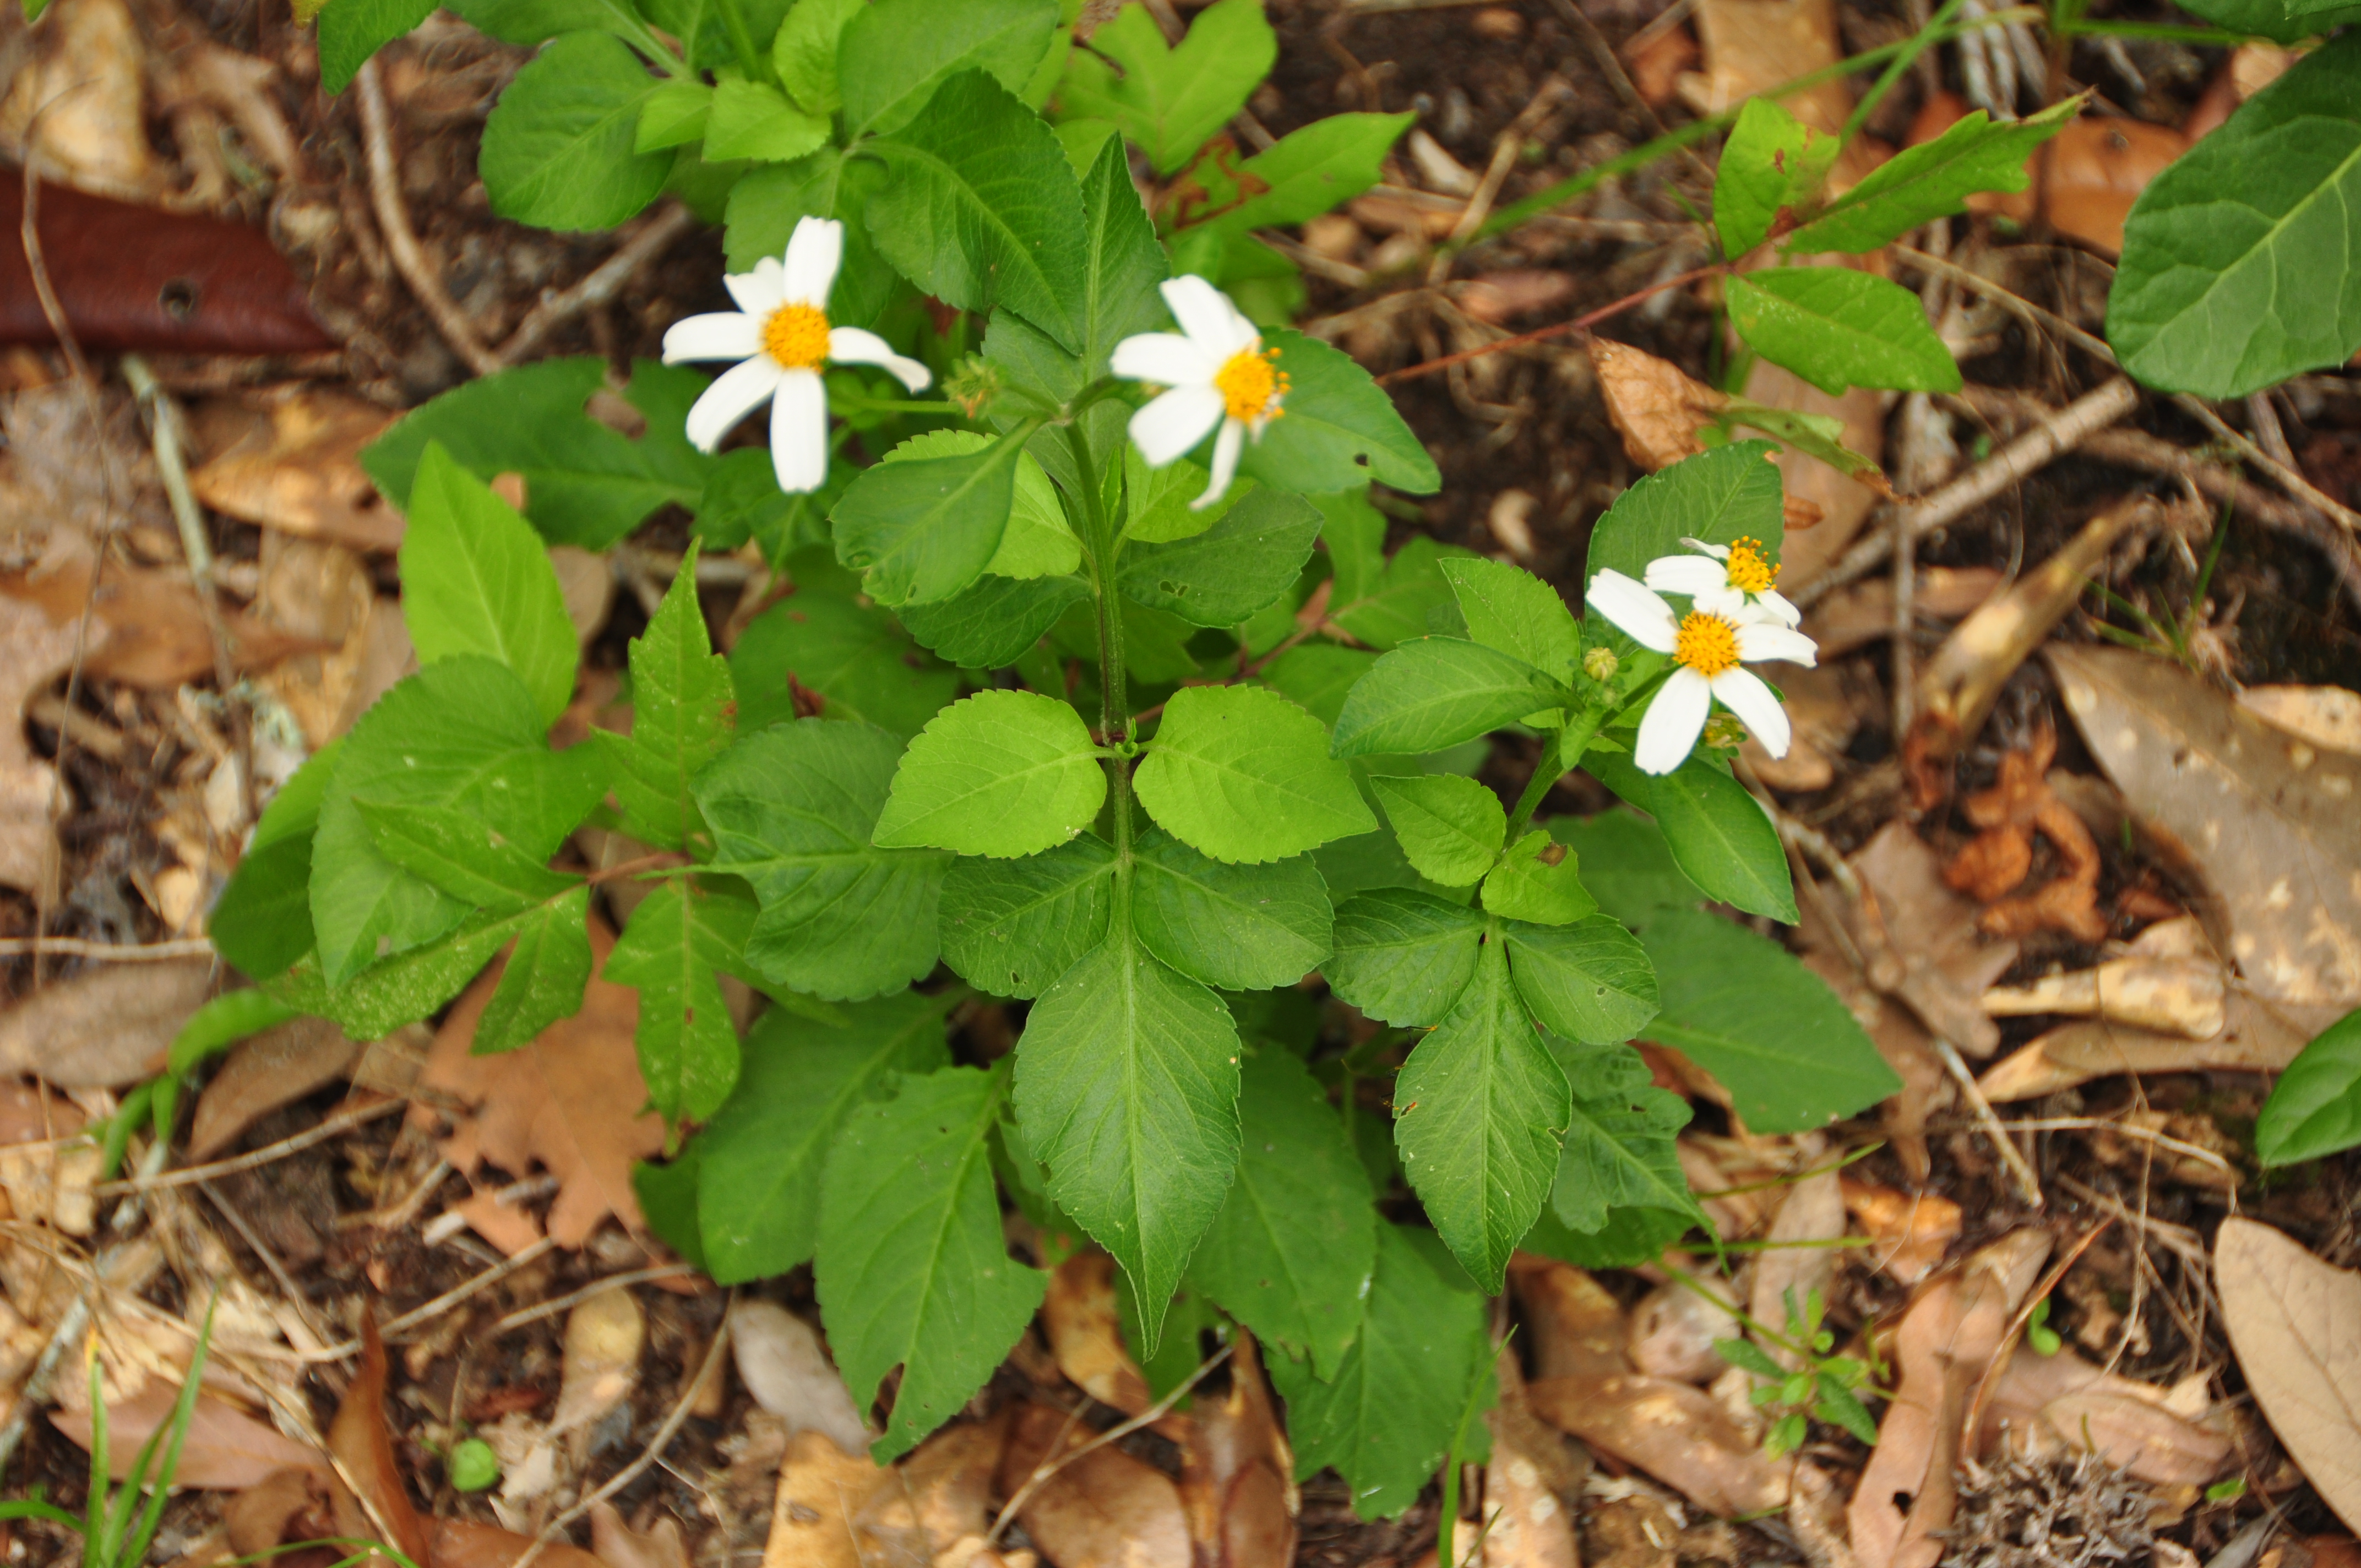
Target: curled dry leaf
x=1678 y=1434
x=822 y=1489
x=83 y=93
x=1237 y=1473
x=1085 y=1334
x=783 y=1365
x=936 y=1505
x=1656 y=406
x=604 y=1336
x=2328 y=717
x=364 y=1448
x=294 y=466
x=1912 y=1229
x=106 y=1027
x=2175 y=997
x=2254 y=1037
x=618 y=1545
x=225 y=1449
x=276 y=1067
x=2017 y=805
x=1103 y=1506
x=2290 y=1319
x=2062 y=1403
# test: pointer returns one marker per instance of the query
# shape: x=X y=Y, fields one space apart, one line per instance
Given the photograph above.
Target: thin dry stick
x=518 y=1319
x=344 y=1122
x=2008 y=1338
x=1579 y=323
x=2290 y=481
x=262 y=1249
x=2029 y=1184
x=111 y=952
x=1050 y=1466
x=461 y=1292
x=648 y=1456
x=2099 y=1124
x=601 y=284
x=401 y=239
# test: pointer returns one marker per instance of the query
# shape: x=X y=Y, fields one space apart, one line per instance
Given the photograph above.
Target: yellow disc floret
x=1705 y=642
x=1251 y=385
x=796 y=337
x=1750 y=571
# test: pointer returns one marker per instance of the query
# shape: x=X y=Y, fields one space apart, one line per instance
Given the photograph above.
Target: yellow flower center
x=796 y=337
x=1706 y=644
x=1750 y=573
x=1251 y=384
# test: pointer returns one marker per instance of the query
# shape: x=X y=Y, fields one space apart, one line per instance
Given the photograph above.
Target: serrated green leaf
x=1930 y=180
x=1767 y=1028
x=262 y=922
x=1589 y=980
x=1508 y=608
x=1434 y=691
x=1815 y=435
x=352 y=30
x=1126 y=1088
x=849 y=654
x=1292 y=1252
x=560 y=148
x=760 y=1161
x=1240 y=927
x=459 y=853
x=1382 y=602
x=1528 y=885
x=2282 y=21
x=542 y=976
x=703 y=27
x=1222 y=576
x=683 y=709
x=404 y=987
x=678 y=936
x=893 y=55
x=1627 y=865
x=1156 y=500
x=804 y=52
x=1170 y=99
x=995 y=623
x=1339 y=428
x=1838 y=328
x=1039 y=543
x=982 y=207
x=1308 y=171
x=1480 y=1109
x=753 y=120
x=1620 y=1150
x=1000 y=774
x=475 y=579
x=1718 y=834
x=1720 y=496
x=1628 y=1238
x=925 y=528
x=1244 y=775
x=1403 y=957
x=537 y=21
x=1450 y=828
x=1386 y=1419
x=674 y=116
x=2316 y=1107
x=1317 y=676
x=791 y=808
x=1121 y=265
x=912 y=1270
x=1771 y=160
x=1010 y=927
x=2238 y=260
x=1748 y=1356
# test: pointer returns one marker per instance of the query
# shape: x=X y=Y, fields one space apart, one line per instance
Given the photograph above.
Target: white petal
x=735 y=393
x=799 y=432
x=1691 y=574
x=1718 y=552
x=1743 y=693
x=723 y=335
x=1205 y=313
x=1724 y=601
x=1645 y=618
x=1761 y=640
x=1226 y=446
x=814 y=252
x=1172 y=423
x=1775 y=606
x=757 y=292
x=1165 y=358
x=1669 y=729
x=851 y=345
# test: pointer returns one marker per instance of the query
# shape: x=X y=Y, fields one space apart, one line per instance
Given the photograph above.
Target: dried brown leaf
x=1237 y=1473
x=1525 y=1526
x=1674 y=1326
x=2094 y=169
x=2062 y=1403
x=108 y=1026
x=1814 y=1211
x=33 y=650
x=1680 y=1435
x=784 y=1366
x=1101 y=1509
x=83 y=90
x=296 y=467
x=1922 y=945
x=618 y=1545
x=1913 y=1229
x=2255 y=1036
x=276 y=1067
x=1576 y=1327
x=2328 y=717
x=30 y=1114
x=463 y=1543
x=822 y=1489
x=364 y=1448
x=1086 y=1334
x=937 y=1504
x=146 y=628
x=1654 y=405
x=2291 y=1320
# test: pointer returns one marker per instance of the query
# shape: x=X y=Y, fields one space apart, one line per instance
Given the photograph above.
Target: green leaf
x=560 y=147
x=2238 y=260
x=1404 y=957
x=675 y=115
x=1010 y=927
x=1337 y=428
x=1385 y=1420
x=262 y=922
x=766 y=204
x=1122 y=263
x=2316 y=1107
x=1718 y=497
x=1589 y=980
x=1930 y=180
x=1771 y=160
x=220 y=1024
x=1627 y=865
x=1450 y=828
x=703 y=27
x=791 y=808
x=543 y=975
x=1385 y=603
x=1718 y=834
x=1220 y=576
x=1528 y=885
x=1434 y=691
x=682 y=706
x=1170 y=100
x=760 y=1161
x=1126 y=1088
x=1838 y=328
x=352 y=30
x=2282 y=21
x=923 y=528
x=1292 y=1252
x=1815 y=435
x=1156 y=500
x=912 y=1270
x=458 y=852
x=1244 y=775
x=1619 y=1152
x=754 y=120
x=678 y=936
x=1767 y=1028
x=1480 y=1109
x=895 y=54
x=1317 y=676
x=805 y=49
x=1628 y=1238
x=1240 y=927
x=585 y=483
x=1000 y=774
x=995 y=623
x=848 y=654
x=1039 y=543
x=475 y=579
x=982 y=207
x=538 y=21
x=1508 y=608
x=1310 y=171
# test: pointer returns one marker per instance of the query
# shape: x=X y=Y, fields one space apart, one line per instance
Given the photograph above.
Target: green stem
x=2170 y=32
x=742 y=43
x=1913 y=47
x=1114 y=701
x=1559 y=759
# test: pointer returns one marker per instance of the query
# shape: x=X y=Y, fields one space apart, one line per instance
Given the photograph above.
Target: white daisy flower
x=1709 y=647
x=780 y=335
x=1725 y=580
x=1217 y=373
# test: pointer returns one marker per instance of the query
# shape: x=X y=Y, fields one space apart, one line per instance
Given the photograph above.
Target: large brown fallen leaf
x=106 y=1027
x=570 y=1102
x=1237 y=1473
x=225 y=1449
x=2271 y=819
x=295 y=466
x=2255 y=1036
x=1086 y=1334
x=33 y=648
x=1927 y=935
x=936 y=1505
x=822 y=1489
x=276 y=1067
x=1101 y=1509
x=1912 y=1229
x=1679 y=1434
x=2048 y=1403
x=2296 y=1325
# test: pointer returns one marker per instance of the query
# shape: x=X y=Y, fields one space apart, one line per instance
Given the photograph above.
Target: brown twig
x=2017 y=1322
x=1049 y=1466
x=187 y=1175
x=541 y=1310
x=2029 y=1184
x=1579 y=323
x=603 y=283
x=110 y=952
x=401 y=240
